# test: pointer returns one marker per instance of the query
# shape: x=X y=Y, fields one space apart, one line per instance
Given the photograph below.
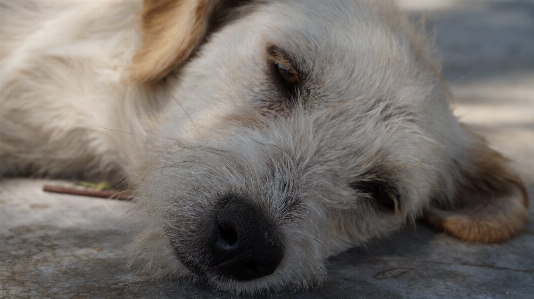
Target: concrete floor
x=59 y=246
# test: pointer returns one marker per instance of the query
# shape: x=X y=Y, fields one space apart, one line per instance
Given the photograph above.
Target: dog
x=260 y=137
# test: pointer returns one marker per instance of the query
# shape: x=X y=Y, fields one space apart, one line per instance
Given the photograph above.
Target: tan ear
x=490 y=203
x=171 y=30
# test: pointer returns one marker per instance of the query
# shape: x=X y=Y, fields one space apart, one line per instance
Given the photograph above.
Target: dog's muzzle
x=243 y=243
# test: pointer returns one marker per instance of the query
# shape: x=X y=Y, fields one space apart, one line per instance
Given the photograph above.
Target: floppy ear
x=489 y=203
x=171 y=31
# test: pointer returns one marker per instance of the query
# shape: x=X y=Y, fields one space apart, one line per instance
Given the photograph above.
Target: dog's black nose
x=244 y=244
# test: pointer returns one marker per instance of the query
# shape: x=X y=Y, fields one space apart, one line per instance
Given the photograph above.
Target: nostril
x=228 y=235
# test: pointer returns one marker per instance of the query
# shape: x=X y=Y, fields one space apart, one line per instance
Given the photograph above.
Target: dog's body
x=261 y=137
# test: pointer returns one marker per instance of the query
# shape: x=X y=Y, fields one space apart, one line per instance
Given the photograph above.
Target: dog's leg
x=64 y=110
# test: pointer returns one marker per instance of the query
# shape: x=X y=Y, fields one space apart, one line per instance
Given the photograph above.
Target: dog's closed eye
x=285 y=72
x=382 y=194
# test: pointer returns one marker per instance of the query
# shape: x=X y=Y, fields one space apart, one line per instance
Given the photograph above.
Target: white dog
x=260 y=136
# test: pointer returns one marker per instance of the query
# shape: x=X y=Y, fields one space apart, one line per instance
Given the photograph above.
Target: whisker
x=188 y=116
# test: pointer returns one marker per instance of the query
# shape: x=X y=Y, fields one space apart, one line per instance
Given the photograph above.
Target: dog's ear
x=489 y=202
x=171 y=31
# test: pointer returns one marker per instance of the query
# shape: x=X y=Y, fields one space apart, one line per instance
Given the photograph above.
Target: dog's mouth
x=238 y=243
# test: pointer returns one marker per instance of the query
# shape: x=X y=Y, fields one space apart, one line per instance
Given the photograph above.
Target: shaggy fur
x=297 y=106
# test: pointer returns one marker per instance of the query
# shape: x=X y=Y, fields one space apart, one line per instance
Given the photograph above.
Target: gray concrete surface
x=59 y=246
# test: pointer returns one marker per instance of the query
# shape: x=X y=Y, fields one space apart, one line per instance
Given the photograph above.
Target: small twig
x=110 y=194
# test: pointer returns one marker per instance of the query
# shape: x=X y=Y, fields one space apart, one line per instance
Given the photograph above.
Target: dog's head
x=296 y=130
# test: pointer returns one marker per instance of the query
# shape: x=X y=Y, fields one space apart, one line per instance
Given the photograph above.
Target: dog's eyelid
x=283 y=66
x=276 y=53
x=382 y=192
x=288 y=75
